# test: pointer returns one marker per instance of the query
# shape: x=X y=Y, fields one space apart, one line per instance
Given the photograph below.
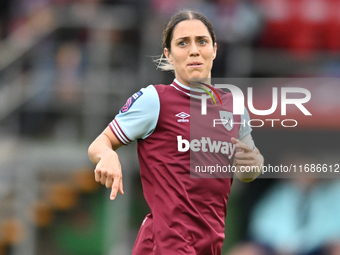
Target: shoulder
x=138 y=117
x=145 y=97
x=149 y=96
x=161 y=88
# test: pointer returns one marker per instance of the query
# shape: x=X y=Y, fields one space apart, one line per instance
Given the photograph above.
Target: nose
x=194 y=52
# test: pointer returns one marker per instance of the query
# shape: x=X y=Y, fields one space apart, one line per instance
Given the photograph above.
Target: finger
x=109 y=182
x=97 y=175
x=103 y=178
x=244 y=147
x=235 y=141
x=114 y=190
x=238 y=144
x=244 y=162
x=121 y=191
x=244 y=155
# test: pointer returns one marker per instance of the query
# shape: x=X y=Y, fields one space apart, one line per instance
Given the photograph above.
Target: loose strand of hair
x=163 y=64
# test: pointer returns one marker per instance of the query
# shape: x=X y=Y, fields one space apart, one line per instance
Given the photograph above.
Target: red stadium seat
x=332 y=29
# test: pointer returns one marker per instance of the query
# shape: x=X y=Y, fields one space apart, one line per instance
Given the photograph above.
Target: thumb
x=235 y=141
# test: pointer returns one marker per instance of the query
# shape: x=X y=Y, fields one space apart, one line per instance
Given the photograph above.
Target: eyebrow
x=187 y=37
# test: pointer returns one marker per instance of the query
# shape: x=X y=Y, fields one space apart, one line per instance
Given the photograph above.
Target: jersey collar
x=192 y=92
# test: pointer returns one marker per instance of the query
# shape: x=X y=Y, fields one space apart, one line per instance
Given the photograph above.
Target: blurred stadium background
x=67 y=67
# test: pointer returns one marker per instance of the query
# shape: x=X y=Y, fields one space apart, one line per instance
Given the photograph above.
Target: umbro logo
x=182 y=117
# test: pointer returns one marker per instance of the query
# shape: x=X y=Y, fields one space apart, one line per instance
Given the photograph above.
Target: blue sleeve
x=138 y=117
x=244 y=129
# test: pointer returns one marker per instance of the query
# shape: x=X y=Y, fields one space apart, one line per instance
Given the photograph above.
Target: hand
x=245 y=160
x=244 y=154
x=109 y=173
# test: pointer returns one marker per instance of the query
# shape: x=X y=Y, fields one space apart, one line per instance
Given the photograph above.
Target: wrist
x=107 y=154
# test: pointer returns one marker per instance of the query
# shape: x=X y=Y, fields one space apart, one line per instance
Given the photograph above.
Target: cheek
x=210 y=59
x=179 y=61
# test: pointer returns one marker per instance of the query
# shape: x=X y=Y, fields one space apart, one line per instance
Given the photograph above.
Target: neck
x=193 y=83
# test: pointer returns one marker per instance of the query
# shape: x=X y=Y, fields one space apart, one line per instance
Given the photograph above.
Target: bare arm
x=247 y=158
x=108 y=169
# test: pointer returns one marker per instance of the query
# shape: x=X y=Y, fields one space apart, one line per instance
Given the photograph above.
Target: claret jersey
x=187 y=214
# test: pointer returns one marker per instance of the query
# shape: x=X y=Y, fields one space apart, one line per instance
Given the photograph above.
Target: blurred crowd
x=294 y=24
x=59 y=44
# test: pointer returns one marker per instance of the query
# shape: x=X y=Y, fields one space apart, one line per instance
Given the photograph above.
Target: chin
x=198 y=76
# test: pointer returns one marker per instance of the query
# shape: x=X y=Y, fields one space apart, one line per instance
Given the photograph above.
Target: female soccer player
x=187 y=214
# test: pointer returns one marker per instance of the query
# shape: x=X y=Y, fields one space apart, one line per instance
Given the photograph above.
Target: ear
x=168 y=55
x=215 y=50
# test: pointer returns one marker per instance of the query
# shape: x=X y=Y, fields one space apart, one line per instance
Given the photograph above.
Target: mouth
x=195 y=64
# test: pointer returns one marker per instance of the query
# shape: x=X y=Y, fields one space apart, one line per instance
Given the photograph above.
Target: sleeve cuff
x=118 y=132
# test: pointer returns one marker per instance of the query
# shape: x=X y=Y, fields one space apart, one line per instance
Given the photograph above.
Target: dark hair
x=181 y=16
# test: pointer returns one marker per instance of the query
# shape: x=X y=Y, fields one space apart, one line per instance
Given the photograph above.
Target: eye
x=182 y=43
x=203 y=41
